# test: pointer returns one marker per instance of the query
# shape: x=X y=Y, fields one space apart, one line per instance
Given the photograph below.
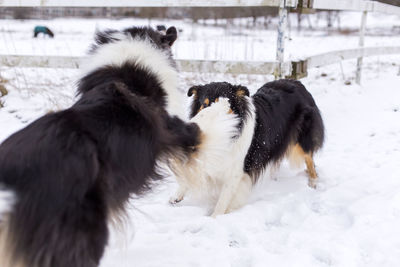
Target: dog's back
x=287 y=117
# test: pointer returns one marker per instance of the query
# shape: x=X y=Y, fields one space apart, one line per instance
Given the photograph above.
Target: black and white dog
x=280 y=119
x=64 y=176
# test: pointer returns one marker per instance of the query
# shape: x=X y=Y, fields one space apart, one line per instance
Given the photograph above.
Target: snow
x=351 y=219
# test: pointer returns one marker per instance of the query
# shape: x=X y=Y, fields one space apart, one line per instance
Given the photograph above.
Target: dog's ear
x=170 y=36
x=241 y=91
x=193 y=90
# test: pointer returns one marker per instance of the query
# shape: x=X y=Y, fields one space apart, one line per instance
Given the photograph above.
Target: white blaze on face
x=147 y=55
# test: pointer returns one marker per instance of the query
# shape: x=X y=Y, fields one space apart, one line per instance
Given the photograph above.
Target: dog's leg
x=312 y=174
x=242 y=193
x=179 y=195
x=273 y=170
x=297 y=156
x=182 y=186
x=228 y=190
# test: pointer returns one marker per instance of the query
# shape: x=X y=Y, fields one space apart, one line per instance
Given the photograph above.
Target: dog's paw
x=215 y=214
x=174 y=200
x=312 y=183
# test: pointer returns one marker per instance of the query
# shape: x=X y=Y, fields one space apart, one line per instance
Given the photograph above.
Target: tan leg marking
x=312 y=174
x=297 y=156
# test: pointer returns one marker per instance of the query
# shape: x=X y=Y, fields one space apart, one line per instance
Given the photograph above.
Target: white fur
x=219 y=163
x=145 y=54
x=217 y=127
x=7 y=199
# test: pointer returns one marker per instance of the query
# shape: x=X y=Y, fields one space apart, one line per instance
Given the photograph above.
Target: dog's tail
x=34 y=235
x=218 y=129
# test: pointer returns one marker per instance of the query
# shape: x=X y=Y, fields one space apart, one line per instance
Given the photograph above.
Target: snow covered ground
x=350 y=220
x=353 y=217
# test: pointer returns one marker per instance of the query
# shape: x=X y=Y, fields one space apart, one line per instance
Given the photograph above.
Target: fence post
x=361 y=44
x=280 y=46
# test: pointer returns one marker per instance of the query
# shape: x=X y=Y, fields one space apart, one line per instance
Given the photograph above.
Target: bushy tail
x=33 y=236
x=218 y=128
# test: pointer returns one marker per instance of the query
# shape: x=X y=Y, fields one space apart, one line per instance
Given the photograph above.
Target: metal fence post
x=361 y=44
x=280 y=46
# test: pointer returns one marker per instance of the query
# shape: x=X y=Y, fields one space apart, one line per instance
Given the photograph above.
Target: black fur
x=71 y=170
x=212 y=91
x=161 y=28
x=285 y=114
x=162 y=41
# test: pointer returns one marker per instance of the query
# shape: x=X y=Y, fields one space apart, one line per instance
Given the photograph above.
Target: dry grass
x=3 y=90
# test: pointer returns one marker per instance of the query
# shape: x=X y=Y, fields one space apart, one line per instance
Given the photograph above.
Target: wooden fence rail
x=295 y=69
x=210 y=66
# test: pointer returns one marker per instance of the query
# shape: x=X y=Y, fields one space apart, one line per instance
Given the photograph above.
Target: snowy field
x=351 y=219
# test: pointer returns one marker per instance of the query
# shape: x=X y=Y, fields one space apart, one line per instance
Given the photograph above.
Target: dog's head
x=142 y=49
x=161 y=40
x=114 y=47
x=205 y=95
